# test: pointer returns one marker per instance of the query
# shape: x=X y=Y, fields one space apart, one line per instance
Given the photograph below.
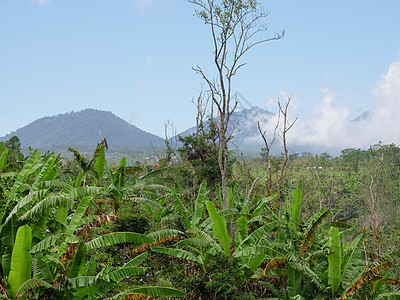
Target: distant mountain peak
x=86 y=127
x=364 y=116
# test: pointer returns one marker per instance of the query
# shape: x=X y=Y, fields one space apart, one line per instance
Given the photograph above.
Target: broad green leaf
x=241 y=231
x=389 y=295
x=255 y=236
x=44 y=267
x=91 y=266
x=77 y=216
x=21 y=259
x=219 y=227
x=350 y=262
x=117 y=238
x=32 y=284
x=156 y=291
x=296 y=207
x=53 y=201
x=80 y=192
x=164 y=233
x=125 y=272
x=9 y=232
x=256 y=261
x=24 y=173
x=46 y=243
x=3 y=157
x=20 y=180
x=137 y=260
x=199 y=205
x=262 y=204
x=81 y=282
x=177 y=253
x=119 y=179
x=99 y=163
x=77 y=265
x=78 y=180
x=294 y=281
x=61 y=215
x=44 y=171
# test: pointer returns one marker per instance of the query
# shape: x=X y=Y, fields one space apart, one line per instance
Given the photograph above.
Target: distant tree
x=234 y=26
x=201 y=152
x=14 y=155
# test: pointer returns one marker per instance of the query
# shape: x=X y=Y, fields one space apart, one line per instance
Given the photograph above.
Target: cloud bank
x=331 y=127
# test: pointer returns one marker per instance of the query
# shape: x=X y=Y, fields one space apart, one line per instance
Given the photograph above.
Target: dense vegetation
x=202 y=223
x=84 y=230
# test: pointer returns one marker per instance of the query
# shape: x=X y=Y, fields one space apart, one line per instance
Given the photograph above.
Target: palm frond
x=32 y=284
x=177 y=253
x=118 y=238
x=50 y=202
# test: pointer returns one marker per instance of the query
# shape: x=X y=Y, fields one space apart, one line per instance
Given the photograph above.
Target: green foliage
x=137 y=223
x=21 y=259
x=334 y=260
x=263 y=243
x=219 y=228
x=201 y=151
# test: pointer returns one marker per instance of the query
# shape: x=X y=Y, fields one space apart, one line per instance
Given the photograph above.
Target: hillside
x=245 y=132
x=87 y=128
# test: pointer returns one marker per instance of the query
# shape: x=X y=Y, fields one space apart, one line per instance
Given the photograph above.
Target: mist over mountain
x=87 y=127
x=243 y=126
x=247 y=138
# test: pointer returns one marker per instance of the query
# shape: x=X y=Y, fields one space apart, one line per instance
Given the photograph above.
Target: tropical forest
x=204 y=221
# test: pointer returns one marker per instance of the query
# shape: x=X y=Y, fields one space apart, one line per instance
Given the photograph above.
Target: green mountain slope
x=87 y=127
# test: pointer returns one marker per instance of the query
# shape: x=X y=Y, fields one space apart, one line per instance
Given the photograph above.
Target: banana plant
x=135 y=188
x=29 y=186
x=21 y=260
x=351 y=270
x=92 y=169
x=316 y=266
x=299 y=244
x=209 y=239
x=61 y=268
x=3 y=155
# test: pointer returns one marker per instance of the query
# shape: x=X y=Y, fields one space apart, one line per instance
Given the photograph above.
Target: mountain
x=363 y=117
x=246 y=136
x=87 y=128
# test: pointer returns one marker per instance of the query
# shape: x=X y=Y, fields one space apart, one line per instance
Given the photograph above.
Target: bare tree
x=171 y=142
x=286 y=126
x=235 y=26
x=374 y=193
x=268 y=146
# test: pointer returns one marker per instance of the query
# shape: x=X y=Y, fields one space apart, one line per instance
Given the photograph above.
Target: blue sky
x=135 y=58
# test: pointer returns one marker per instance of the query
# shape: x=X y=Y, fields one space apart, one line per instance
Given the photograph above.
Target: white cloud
x=328 y=127
x=385 y=111
x=42 y=2
x=331 y=125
